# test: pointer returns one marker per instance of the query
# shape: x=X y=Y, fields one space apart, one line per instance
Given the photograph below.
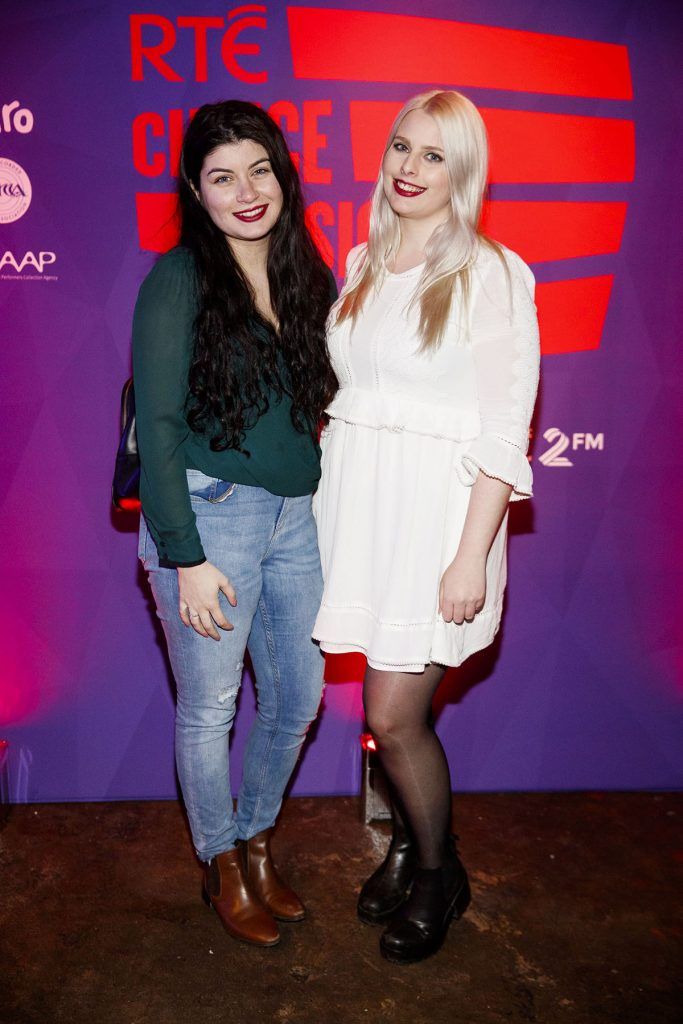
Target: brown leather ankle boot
x=283 y=903
x=242 y=914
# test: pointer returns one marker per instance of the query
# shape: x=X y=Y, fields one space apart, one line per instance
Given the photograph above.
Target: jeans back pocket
x=208 y=488
x=223 y=491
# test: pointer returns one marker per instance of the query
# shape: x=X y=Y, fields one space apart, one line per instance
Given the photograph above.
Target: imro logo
x=35 y=261
x=15 y=118
x=15 y=191
x=560 y=442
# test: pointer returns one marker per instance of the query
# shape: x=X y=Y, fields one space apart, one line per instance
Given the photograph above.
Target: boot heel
x=462 y=899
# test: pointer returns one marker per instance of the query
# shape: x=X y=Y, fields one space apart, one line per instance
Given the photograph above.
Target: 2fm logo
x=29 y=259
x=559 y=443
x=15 y=118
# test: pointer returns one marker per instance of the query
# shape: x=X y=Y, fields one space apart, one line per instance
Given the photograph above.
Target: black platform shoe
x=388 y=887
x=437 y=896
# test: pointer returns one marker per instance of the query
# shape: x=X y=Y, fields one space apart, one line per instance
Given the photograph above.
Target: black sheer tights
x=398 y=712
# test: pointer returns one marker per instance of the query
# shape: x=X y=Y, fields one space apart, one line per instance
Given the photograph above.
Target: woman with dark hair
x=231 y=377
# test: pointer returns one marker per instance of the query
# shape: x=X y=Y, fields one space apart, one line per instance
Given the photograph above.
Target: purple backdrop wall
x=584 y=687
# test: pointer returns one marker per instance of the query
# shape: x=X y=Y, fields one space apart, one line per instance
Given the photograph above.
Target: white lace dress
x=407 y=437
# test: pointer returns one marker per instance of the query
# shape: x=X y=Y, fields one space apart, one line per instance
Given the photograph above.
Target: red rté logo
x=153 y=36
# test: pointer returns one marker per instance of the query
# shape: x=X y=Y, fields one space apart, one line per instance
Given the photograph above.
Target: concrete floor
x=574 y=919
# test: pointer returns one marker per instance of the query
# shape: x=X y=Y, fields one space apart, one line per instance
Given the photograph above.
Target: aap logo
x=15 y=191
x=31 y=260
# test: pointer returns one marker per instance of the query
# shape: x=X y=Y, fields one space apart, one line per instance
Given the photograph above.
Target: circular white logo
x=15 y=191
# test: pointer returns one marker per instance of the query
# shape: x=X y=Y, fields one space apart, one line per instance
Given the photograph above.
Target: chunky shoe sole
x=456 y=909
x=379 y=917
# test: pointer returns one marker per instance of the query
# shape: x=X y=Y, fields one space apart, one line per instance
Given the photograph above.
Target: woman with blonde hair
x=434 y=341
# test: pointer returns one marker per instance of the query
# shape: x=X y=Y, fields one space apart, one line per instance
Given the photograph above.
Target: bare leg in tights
x=398 y=711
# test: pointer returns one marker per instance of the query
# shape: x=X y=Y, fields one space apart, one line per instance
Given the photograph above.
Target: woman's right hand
x=199 y=587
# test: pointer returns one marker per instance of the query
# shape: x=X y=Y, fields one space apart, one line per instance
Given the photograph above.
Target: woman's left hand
x=462 y=591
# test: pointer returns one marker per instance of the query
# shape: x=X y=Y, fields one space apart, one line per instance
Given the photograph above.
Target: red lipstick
x=404 y=188
x=255 y=213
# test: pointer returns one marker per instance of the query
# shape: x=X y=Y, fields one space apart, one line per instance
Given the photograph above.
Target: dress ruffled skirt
x=390 y=511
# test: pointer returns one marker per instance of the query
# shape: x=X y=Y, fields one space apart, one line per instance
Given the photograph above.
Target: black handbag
x=125 y=488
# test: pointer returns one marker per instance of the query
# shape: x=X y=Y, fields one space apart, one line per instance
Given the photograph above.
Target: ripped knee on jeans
x=230 y=692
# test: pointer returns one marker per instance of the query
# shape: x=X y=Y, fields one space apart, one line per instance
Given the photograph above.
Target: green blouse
x=280 y=459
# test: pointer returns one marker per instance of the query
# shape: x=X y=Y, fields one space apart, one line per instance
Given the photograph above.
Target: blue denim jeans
x=267 y=547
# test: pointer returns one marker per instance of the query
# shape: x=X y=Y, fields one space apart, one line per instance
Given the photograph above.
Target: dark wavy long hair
x=234 y=365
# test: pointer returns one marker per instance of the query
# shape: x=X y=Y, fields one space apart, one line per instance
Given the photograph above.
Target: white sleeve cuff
x=499 y=459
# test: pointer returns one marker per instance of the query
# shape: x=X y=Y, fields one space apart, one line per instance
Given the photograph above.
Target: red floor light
x=367 y=742
x=374 y=795
x=129 y=504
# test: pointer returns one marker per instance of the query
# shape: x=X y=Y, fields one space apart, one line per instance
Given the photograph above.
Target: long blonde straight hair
x=453 y=246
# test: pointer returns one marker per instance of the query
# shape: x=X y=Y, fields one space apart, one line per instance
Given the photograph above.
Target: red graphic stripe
x=158 y=224
x=555 y=231
x=362 y=46
x=571 y=314
x=525 y=146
